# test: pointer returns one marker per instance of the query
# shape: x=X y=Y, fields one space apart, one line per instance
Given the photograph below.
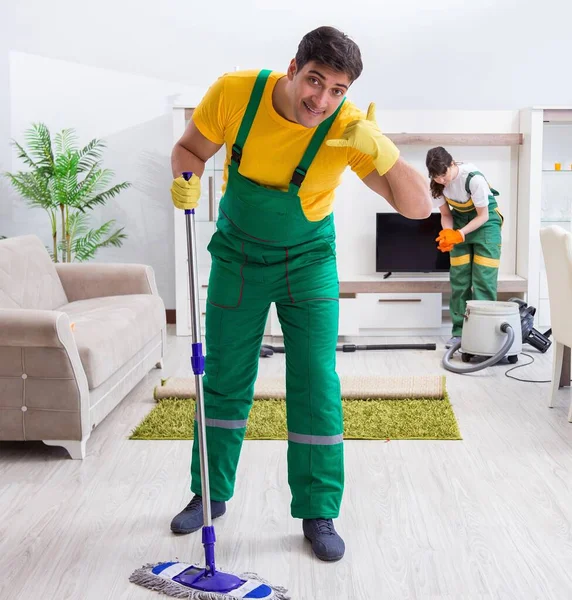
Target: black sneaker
x=326 y=543
x=191 y=517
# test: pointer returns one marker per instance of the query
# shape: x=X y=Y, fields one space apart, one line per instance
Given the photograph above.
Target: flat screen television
x=408 y=245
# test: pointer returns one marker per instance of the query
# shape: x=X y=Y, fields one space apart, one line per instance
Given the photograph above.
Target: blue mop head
x=183 y=580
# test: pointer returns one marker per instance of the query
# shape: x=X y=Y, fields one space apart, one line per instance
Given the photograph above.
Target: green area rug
x=371 y=419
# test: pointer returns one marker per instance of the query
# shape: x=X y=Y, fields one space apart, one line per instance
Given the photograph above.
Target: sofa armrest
x=31 y=328
x=96 y=280
x=42 y=378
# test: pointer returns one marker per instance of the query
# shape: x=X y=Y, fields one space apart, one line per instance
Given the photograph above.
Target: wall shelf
x=557 y=115
x=444 y=139
x=457 y=139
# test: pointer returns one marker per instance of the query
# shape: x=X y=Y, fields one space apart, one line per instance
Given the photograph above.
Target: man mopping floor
x=183 y=580
x=288 y=138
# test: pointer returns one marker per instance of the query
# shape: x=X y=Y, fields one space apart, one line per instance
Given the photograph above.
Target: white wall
x=5 y=154
x=132 y=114
x=109 y=68
x=418 y=53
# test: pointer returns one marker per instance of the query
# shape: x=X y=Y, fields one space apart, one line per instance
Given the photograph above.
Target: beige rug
x=357 y=387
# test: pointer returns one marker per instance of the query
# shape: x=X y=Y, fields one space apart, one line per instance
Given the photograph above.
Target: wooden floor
x=486 y=517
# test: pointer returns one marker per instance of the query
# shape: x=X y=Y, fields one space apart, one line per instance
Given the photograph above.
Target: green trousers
x=474 y=266
x=302 y=280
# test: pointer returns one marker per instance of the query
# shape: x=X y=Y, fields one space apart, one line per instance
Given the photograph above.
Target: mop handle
x=197 y=358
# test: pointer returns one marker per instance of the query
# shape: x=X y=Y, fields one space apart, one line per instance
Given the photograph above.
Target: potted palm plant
x=68 y=182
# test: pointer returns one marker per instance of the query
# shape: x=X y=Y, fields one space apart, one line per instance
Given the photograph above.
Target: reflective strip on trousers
x=225 y=424
x=458 y=261
x=315 y=440
x=485 y=261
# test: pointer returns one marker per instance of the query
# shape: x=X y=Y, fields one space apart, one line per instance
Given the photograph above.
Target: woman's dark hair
x=330 y=47
x=438 y=161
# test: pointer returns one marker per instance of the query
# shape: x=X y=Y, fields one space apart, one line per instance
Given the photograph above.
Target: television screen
x=408 y=245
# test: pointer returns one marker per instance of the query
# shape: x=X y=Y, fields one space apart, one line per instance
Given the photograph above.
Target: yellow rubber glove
x=186 y=194
x=365 y=136
x=448 y=238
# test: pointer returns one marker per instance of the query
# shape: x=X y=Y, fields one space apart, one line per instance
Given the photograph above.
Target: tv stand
x=425 y=283
x=389 y=274
x=405 y=304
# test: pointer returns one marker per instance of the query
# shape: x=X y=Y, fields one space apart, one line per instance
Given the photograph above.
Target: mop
x=184 y=580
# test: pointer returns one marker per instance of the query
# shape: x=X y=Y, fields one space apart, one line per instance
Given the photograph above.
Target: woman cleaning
x=471 y=231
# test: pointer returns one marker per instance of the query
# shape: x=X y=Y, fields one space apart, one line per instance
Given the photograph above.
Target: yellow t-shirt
x=275 y=145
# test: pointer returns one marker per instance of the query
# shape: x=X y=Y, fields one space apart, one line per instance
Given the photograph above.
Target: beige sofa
x=74 y=340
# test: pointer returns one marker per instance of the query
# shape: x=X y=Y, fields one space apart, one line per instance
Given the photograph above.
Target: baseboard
x=171 y=316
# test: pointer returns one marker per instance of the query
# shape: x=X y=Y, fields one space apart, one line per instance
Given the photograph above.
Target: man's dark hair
x=330 y=47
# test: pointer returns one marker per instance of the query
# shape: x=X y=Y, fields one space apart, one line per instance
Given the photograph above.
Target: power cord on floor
x=525 y=365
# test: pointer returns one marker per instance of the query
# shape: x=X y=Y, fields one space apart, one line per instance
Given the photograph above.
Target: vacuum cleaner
x=495 y=330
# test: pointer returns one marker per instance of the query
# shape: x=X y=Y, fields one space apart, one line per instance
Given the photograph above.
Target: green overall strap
x=468 y=181
x=250 y=113
x=321 y=132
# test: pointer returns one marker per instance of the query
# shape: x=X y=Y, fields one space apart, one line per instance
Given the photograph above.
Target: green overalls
x=475 y=262
x=265 y=250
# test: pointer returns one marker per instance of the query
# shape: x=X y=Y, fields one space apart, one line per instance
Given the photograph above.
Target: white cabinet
x=384 y=314
x=348 y=324
x=212 y=178
x=556 y=200
x=211 y=187
x=203 y=231
x=349 y=317
x=205 y=219
x=405 y=313
x=400 y=311
x=545 y=194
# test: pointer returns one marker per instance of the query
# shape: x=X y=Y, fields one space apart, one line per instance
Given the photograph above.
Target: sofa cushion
x=28 y=277
x=110 y=330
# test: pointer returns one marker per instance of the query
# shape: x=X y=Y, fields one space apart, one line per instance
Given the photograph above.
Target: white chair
x=557 y=249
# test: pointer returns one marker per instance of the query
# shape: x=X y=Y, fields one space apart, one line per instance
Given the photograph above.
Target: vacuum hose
x=493 y=360
x=266 y=350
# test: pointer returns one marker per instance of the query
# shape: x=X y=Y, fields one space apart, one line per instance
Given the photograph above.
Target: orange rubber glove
x=448 y=238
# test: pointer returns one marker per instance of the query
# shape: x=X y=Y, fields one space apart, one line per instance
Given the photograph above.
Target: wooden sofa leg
x=76 y=448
